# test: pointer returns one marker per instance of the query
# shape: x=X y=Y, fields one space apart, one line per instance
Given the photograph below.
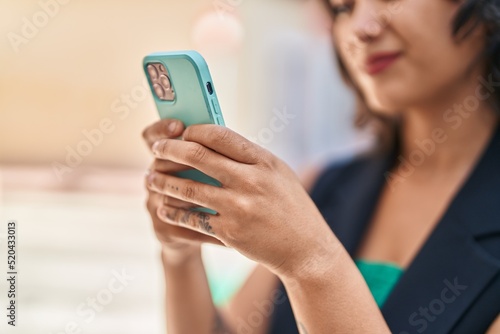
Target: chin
x=386 y=104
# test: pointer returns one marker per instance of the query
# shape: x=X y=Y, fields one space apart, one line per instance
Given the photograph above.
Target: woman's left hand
x=263 y=211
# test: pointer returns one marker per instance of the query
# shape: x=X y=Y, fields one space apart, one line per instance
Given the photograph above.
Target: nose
x=368 y=21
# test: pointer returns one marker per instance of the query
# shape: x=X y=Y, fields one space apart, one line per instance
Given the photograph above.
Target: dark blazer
x=453 y=283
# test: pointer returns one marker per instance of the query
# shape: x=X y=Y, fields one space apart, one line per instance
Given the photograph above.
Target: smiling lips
x=378 y=62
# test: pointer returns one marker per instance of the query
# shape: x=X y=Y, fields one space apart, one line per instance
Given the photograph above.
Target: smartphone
x=183 y=89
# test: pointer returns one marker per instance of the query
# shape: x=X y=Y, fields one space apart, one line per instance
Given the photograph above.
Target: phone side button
x=215 y=105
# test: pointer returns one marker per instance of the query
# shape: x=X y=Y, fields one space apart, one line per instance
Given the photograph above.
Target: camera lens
x=153 y=73
x=162 y=68
x=159 y=91
x=165 y=81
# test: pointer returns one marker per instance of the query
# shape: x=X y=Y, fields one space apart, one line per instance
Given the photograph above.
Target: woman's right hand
x=174 y=239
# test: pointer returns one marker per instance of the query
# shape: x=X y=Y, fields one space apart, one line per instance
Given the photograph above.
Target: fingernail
x=155 y=146
x=151 y=178
x=163 y=213
x=172 y=126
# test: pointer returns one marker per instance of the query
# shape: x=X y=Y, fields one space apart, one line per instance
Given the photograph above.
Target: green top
x=381 y=277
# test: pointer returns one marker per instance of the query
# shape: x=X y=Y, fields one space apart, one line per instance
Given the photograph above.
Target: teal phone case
x=195 y=101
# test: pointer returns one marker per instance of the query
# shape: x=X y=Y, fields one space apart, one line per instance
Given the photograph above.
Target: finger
x=165 y=128
x=197 y=221
x=225 y=142
x=166 y=166
x=160 y=199
x=199 y=157
x=187 y=190
x=167 y=232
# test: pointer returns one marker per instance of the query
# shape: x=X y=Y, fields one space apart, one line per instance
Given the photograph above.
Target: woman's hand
x=263 y=211
x=174 y=239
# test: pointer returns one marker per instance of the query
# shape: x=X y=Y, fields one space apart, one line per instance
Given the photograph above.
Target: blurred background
x=73 y=104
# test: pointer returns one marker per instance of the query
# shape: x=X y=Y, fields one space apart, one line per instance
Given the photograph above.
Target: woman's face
x=402 y=53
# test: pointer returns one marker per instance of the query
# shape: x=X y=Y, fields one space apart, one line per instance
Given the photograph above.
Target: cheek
x=339 y=41
x=432 y=63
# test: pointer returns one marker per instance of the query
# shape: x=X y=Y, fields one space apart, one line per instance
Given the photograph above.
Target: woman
x=405 y=239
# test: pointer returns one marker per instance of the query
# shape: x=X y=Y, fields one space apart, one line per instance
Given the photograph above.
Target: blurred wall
x=73 y=94
x=83 y=67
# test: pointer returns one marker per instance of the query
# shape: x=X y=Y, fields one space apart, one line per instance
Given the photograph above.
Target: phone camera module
x=153 y=73
x=159 y=91
x=160 y=81
x=165 y=82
